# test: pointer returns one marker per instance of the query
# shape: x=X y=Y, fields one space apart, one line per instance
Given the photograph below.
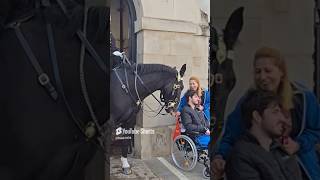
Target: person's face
x=193 y=85
x=272 y=121
x=195 y=99
x=267 y=76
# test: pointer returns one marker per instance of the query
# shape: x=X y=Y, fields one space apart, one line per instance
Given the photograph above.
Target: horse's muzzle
x=170 y=107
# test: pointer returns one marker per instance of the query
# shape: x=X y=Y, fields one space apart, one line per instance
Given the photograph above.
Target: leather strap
x=43 y=78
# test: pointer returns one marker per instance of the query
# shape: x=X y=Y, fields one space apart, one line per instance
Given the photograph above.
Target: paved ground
x=158 y=168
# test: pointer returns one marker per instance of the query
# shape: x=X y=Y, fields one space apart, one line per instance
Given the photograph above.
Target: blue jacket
x=308 y=136
x=206 y=104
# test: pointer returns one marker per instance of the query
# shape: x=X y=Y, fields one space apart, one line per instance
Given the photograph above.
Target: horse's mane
x=150 y=68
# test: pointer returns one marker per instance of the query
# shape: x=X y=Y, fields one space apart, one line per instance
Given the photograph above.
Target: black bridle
x=92 y=128
x=173 y=98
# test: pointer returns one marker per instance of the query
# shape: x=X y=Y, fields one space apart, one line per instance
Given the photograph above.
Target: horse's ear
x=233 y=28
x=183 y=70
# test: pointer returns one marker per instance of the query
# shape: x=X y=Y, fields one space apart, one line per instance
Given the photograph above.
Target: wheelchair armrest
x=192 y=132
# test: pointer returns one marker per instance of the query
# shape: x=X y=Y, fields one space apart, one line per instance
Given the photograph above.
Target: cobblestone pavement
x=152 y=169
x=140 y=170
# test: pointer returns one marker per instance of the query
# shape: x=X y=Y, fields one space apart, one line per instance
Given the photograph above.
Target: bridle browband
x=89 y=130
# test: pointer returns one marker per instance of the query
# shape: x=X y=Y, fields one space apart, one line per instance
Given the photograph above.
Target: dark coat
x=248 y=160
x=205 y=100
x=193 y=120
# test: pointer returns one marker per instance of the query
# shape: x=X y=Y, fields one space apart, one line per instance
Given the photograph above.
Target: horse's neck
x=154 y=82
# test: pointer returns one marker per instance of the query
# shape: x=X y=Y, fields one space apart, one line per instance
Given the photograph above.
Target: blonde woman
x=204 y=105
x=299 y=104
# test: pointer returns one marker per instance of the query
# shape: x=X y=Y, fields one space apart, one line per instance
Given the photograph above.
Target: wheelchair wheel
x=206 y=173
x=184 y=153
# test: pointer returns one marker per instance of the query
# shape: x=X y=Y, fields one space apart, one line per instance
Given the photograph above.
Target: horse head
x=223 y=78
x=171 y=92
x=222 y=44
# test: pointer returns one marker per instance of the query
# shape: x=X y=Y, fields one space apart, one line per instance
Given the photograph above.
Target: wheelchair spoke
x=184 y=153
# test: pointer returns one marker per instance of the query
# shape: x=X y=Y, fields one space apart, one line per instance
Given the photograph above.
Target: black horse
x=221 y=69
x=47 y=129
x=131 y=84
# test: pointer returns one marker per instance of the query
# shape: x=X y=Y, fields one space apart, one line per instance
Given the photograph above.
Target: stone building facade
x=171 y=32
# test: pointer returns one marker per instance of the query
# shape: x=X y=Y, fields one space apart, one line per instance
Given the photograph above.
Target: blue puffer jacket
x=206 y=104
x=308 y=136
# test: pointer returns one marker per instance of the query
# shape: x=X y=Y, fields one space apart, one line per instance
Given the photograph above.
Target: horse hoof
x=127 y=171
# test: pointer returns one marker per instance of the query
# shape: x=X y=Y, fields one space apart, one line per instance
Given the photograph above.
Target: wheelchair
x=188 y=148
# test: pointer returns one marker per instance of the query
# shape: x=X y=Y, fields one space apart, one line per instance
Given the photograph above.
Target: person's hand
x=177 y=114
x=172 y=113
x=290 y=146
x=200 y=107
x=217 y=167
x=207 y=132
